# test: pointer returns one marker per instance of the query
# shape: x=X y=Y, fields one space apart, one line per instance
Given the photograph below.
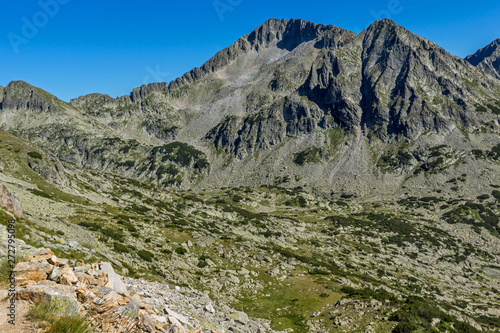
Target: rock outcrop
x=10 y=201
x=112 y=303
x=21 y=95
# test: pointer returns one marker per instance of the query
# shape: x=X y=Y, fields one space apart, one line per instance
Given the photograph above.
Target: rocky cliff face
x=20 y=95
x=275 y=94
x=488 y=58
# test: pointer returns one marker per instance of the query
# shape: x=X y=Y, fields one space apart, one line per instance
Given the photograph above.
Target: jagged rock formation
x=488 y=58
x=290 y=88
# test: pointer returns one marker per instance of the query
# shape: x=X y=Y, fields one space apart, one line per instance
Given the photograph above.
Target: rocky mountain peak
x=487 y=51
x=22 y=95
x=280 y=33
x=487 y=58
x=270 y=31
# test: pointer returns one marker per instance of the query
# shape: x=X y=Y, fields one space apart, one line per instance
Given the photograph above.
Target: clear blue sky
x=110 y=46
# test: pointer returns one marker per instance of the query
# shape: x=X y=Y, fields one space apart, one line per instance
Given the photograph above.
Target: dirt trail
x=22 y=324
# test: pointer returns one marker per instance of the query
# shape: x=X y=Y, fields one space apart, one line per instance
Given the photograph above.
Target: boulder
x=87 y=279
x=42 y=254
x=68 y=277
x=44 y=294
x=56 y=274
x=10 y=201
x=131 y=309
x=177 y=316
x=58 y=261
x=175 y=326
x=114 y=280
x=26 y=272
x=73 y=244
x=205 y=241
x=239 y=317
x=81 y=269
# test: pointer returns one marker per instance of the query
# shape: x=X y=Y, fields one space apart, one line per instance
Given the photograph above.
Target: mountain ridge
x=290 y=88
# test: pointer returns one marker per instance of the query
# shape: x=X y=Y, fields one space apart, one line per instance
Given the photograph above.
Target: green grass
x=310 y=155
x=308 y=295
x=334 y=137
x=50 y=318
x=4 y=273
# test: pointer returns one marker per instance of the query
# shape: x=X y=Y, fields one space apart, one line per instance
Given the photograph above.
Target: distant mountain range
x=294 y=103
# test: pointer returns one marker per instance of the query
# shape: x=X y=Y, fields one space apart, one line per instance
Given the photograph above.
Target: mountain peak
x=384 y=22
x=385 y=26
x=22 y=95
x=487 y=58
x=281 y=33
x=19 y=83
x=288 y=34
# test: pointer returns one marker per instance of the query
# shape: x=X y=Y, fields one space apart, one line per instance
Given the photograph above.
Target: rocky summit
x=304 y=179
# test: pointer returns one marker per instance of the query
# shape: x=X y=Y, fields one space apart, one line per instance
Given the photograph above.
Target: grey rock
x=178 y=316
x=239 y=316
x=82 y=269
x=205 y=241
x=43 y=294
x=56 y=274
x=73 y=244
x=131 y=309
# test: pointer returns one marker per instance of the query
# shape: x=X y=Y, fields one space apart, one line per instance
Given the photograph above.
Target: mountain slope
x=355 y=263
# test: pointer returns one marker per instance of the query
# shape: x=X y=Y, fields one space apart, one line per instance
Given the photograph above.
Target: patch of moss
x=310 y=155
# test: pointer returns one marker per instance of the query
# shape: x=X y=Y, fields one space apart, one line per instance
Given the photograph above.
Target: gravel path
x=22 y=324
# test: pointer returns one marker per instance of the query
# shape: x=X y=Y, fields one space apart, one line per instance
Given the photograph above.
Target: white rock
x=114 y=280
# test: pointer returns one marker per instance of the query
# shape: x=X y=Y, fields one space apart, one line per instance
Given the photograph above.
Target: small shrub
x=496 y=194
x=480 y=108
x=483 y=197
x=145 y=255
x=310 y=155
x=181 y=251
x=121 y=248
x=35 y=154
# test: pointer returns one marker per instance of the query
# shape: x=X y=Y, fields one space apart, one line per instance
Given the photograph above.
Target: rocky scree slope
x=111 y=303
x=248 y=247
